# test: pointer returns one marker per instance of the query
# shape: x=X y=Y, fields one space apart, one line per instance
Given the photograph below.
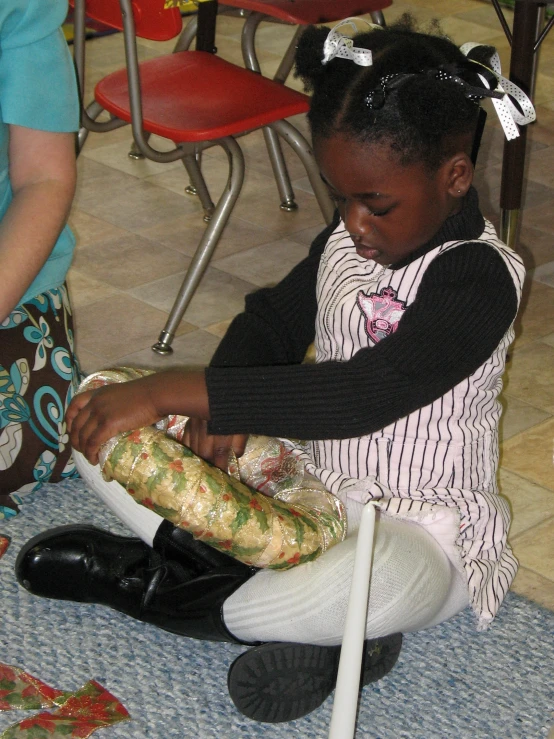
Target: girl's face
x=389 y=210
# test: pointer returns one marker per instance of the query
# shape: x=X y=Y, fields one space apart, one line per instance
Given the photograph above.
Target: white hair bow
x=507 y=112
x=336 y=44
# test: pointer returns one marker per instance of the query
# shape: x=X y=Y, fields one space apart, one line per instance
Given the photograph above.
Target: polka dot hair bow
x=338 y=45
x=507 y=112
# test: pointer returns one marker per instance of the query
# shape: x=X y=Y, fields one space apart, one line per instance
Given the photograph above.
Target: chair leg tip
x=163 y=347
x=289 y=206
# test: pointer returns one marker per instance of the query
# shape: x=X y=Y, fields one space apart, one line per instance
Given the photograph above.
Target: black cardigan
x=257 y=383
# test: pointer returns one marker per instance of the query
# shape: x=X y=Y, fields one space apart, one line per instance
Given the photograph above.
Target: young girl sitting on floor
x=410 y=299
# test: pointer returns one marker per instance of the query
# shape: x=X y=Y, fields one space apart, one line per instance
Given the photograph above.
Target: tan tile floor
x=136 y=231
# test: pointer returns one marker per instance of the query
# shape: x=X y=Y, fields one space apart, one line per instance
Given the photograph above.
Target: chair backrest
x=152 y=20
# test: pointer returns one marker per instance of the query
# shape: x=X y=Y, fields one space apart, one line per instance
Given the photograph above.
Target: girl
x=410 y=299
x=39 y=113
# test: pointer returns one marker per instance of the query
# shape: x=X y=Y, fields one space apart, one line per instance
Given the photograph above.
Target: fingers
x=81 y=437
x=196 y=437
x=214 y=449
x=239 y=444
x=76 y=405
x=221 y=449
x=90 y=424
x=195 y=430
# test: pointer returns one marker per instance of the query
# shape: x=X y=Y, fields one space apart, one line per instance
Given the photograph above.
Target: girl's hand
x=95 y=416
x=214 y=449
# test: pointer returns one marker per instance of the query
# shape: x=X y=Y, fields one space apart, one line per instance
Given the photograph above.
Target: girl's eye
x=379 y=213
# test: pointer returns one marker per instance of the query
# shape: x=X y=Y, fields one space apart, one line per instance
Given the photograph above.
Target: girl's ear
x=458 y=175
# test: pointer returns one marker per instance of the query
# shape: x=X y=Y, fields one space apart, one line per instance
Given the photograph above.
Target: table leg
x=522 y=67
x=205 y=35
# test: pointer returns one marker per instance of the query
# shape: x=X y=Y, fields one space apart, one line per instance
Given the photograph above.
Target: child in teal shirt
x=39 y=113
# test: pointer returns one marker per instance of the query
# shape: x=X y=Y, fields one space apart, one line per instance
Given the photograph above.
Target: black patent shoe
x=87 y=565
x=281 y=681
x=84 y=564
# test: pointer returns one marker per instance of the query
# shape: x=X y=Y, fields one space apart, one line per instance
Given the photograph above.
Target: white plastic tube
x=343 y=718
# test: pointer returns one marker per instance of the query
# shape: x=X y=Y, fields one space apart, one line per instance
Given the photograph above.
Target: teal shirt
x=38 y=90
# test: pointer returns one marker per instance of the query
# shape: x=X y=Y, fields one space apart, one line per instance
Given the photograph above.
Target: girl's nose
x=356 y=219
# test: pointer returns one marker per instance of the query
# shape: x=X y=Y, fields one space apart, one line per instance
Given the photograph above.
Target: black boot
x=277 y=681
x=179 y=545
x=183 y=595
x=284 y=681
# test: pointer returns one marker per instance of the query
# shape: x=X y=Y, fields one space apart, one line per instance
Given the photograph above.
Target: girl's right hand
x=95 y=416
x=214 y=449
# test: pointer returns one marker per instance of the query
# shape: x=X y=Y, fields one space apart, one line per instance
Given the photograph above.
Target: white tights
x=413 y=584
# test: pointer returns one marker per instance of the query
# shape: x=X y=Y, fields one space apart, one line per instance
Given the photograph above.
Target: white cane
x=343 y=718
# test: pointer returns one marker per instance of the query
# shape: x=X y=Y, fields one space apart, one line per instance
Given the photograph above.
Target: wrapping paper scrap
x=76 y=715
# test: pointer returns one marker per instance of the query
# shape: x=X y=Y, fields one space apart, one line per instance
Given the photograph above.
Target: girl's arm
x=465 y=304
x=463 y=309
x=43 y=175
x=275 y=329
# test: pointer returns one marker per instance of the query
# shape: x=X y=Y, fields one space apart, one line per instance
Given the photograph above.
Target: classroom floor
x=136 y=231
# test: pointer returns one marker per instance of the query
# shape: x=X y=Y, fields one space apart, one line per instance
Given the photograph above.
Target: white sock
x=142 y=521
x=412 y=584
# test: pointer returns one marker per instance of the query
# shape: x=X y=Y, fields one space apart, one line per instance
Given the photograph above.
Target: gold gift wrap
x=232 y=512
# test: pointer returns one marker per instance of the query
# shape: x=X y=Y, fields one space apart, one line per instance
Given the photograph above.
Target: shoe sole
x=380 y=656
x=282 y=681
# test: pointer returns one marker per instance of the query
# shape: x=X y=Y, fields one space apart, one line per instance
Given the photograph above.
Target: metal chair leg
x=188 y=34
x=190 y=189
x=272 y=142
x=378 y=18
x=304 y=151
x=93 y=111
x=278 y=165
x=198 y=183
x=207 y=244
x=280 y=172
x=183 y=43
x=134 y=152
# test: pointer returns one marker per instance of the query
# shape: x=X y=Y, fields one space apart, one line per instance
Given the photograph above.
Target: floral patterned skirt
x=39 y=375
x=266 y=511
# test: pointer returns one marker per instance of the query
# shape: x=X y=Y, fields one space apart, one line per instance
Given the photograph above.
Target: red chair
x=194 y=99
x=299 y=13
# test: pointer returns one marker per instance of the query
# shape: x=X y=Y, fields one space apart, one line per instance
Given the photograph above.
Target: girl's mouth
x=366 y=252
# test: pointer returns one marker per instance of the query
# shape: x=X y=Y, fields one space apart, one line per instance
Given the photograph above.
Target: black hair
x=402 y=99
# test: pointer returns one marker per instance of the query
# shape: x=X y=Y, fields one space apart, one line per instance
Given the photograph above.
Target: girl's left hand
x=214 y=449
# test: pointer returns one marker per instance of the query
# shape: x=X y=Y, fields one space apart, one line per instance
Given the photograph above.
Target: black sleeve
x=465 y=303
x=278 y=323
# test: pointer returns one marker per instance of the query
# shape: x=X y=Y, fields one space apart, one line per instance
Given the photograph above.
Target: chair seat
x=202 y=97
x=305 y=12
